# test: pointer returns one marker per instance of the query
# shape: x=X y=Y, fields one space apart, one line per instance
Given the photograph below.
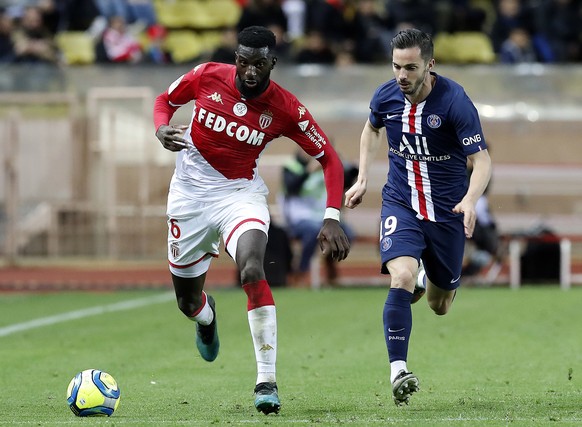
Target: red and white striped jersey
x=229 y=132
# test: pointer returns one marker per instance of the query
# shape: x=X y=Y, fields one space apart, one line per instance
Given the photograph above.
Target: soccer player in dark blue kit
x=428 y=209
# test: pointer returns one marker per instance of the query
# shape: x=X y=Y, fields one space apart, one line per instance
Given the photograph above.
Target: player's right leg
x=200 y=308
x=398 y=326
x=404 y=384
x=192 y=243
x=401 y=245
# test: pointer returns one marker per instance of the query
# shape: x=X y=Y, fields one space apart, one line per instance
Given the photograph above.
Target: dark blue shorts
x=440 y=245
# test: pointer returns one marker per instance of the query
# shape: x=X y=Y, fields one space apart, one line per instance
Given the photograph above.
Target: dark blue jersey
x=428 y=145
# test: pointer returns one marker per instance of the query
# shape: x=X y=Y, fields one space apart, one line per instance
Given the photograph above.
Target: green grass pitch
x=499 y=358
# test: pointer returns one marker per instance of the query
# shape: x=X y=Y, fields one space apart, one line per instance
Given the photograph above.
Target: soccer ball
x=93 y=393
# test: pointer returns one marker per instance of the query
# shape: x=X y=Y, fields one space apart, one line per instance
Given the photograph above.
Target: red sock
x=259 y=294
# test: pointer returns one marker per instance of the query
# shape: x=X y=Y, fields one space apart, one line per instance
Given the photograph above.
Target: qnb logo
x=233 y=129
x=472 y=139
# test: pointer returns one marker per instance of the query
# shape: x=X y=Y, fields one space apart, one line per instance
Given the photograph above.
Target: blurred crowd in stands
x=331 y=32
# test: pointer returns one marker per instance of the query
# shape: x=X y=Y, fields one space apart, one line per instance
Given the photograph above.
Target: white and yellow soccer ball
x=93 y=393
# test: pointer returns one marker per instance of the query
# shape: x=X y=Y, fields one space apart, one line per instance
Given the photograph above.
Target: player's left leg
x=262 y=317
x=439 y=300
x=244 y=221
x=420 y=284
x=443 y=262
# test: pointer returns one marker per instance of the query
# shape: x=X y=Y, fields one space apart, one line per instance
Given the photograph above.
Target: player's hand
x=333 y=241
x=171 y=137
x=467 y=208
x=354 y=195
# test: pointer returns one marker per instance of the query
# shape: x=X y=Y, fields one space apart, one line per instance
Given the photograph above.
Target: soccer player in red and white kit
x=216 y=191
x=428 y=210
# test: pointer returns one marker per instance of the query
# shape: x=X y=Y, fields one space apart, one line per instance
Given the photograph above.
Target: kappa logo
x=301 y=109
x=266 y=347
x=303 y=125
x=216 y=97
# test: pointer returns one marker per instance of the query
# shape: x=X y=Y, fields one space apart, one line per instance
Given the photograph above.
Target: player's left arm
x=332 y=239
x=481 y=163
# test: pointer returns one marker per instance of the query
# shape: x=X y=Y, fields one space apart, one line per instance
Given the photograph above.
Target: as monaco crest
x=265 y=119
x=175 y=249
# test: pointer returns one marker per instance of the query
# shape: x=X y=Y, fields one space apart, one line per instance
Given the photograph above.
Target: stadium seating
x=197 y=14
x=470 y=47
x=474 y=47
x=184 y=45
x=171 y=14
x=77 y=47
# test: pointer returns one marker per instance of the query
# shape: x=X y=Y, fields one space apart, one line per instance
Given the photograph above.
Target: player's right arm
x=180 y=92
x=370 y=140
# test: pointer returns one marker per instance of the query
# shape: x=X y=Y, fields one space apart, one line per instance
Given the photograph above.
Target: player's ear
x=273 y=62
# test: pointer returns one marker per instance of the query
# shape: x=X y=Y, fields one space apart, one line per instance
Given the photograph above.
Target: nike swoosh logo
x=391 y=116
x=455 y=280
x=395 y=330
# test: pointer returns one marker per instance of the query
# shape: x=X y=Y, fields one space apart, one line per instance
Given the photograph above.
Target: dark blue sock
x=397 y=323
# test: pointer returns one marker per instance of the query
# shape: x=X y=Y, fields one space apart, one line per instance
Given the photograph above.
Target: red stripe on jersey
x=237 y=226
x=416 y=166
x=420 y=189
x=411 y=118
x=194 y=262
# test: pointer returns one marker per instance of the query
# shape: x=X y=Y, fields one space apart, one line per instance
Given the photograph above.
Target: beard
x=414 y=89
x=252 y=92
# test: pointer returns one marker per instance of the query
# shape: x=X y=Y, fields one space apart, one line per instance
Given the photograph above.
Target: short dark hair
x=414 y=38
x=257 y=37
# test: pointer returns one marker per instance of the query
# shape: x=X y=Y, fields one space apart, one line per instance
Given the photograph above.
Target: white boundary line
x=86 y=312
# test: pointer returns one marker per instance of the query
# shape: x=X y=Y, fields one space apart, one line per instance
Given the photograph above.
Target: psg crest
x=433 y=121
x=385 y=244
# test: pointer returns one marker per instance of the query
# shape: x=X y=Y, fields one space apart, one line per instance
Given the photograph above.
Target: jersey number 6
x=175 y=228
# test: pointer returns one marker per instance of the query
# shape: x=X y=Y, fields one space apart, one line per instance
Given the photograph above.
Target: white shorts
x=195 y=227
